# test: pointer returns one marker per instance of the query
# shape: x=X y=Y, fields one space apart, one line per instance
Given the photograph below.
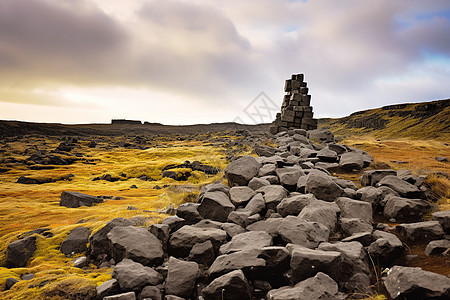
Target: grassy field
x=27 y=207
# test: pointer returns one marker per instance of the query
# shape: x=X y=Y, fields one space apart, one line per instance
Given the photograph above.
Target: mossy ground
x=28 y=207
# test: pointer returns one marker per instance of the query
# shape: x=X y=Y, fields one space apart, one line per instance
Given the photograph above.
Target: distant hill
x=18 y=128
x=425 y=120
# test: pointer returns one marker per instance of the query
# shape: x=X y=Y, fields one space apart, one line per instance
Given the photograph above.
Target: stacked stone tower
x=296 y=112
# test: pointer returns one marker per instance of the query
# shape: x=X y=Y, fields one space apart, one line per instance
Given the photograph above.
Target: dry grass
x=27 y=207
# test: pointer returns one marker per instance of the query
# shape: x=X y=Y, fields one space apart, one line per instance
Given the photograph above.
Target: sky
x=203 y=61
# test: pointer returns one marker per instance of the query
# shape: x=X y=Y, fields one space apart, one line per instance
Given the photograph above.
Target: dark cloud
x=53 y=41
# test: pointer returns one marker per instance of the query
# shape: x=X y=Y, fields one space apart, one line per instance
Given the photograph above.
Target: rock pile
x=296 y=111
x=284 y=228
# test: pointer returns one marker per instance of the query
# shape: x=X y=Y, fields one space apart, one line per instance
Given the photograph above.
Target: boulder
x=321 y=135
x=318 y=287
x=247 y=241
x=355 y=209
x=267 y=169
x=415 y=283
x=351 y=161
x=323 y=187
x=182 y=240
x=76 y=241
x=321 y=212
x=354 y=274
x=123 y=296
x=108 y=288
x=437 y=247
x=232 y=229
x=174 y=223
x=10 y=282
x=231 y=286
x=372 y=177
x=374 y=196
x=76 y=199
x=273 y=194
x=297 y=231
x=306 y=263
x=263 y=150
x=242 y=170
x=289 y=176
x=240 y=195
x=350 y=226
x=150 y=293
x=162 y=233
x=241 y=260
x=293 y=205
x=385 y=249
x=421 y=231
x=256 y=183
x=269 y=225
x=256 y=205
x=215 y=206
x=181 y=277
x=203 y=253
x=327 y=155
x=135 y=243
x=443 y=217
x=403 y=188
x=18 y=252
x=133 y=276
x=405 y=210
x=189 y=212
x=99 y=242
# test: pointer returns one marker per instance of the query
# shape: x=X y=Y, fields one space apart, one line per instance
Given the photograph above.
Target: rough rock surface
x=136 y=243
x=181 y=277
x=232 y=286
x=76 y=199
x=76 y=241
x=415 y=283
x=133 y=276
x=242 y=170
x=18 y=252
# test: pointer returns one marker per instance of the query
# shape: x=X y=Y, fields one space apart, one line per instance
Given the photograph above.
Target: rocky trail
x=283 y=228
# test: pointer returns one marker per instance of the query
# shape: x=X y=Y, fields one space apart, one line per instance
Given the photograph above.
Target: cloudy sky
x=203 y=61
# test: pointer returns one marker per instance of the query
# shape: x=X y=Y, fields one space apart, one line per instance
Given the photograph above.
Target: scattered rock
x=421 y=231
x=215 y=206
x=18 y=252
x=437 y=247
x=76 y=199
x=415 y=283
x=232 y=286
x=242 y=170
x=318 y=287
x=405 y=210
x=76 y=241
x=9 y=283
x=135 y=243
x=443 y=217
x=403 y=188
x=133 y=276
x=181 y=277
x=247 y=241
x=323 y=187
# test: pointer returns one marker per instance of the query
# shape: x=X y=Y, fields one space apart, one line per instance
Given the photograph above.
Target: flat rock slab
x=76 y=199
x=415 y=283
x=135 y=243
x=240 y=195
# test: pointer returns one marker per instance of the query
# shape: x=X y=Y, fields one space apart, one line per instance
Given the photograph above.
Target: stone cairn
x=296 y=112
